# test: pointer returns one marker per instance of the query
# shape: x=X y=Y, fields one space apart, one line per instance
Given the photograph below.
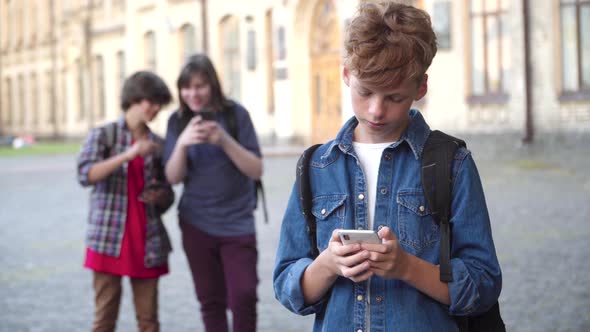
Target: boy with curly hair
x=368 y=177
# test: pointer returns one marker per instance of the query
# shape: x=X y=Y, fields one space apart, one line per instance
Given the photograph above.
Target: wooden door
x=325 y=41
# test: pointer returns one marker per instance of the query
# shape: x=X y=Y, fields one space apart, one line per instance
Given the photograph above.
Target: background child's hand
x=349 y=261
x=154 y=196
x=142 y=148
x=215 y=133
x=192 y=133
x=387 y=260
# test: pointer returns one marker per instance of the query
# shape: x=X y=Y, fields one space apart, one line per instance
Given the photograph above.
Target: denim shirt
x=339 y=189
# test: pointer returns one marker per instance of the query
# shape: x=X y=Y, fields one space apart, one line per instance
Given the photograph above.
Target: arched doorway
x=325 y=54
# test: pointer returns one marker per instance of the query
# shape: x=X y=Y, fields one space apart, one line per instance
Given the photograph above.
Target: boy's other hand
x=387 y=260
x=349 y=261
x=154 y=196
x=142 y=147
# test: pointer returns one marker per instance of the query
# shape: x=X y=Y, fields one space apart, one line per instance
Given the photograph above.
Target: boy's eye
x=364 y=93
x=396 y=99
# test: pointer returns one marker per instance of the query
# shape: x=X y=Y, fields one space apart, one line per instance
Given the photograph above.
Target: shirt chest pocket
x=329 y=212
x=417 y=229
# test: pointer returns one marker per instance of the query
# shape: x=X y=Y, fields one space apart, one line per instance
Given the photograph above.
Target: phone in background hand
x=207 y=114
x=151 y=188
x=349 y=236
x=185 y=117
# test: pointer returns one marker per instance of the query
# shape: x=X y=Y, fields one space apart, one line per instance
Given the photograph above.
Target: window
x=21 y=99
x=34 y=99
x=81 y=94
x=19 y=22
x=575 y=47
x=150 y=50
x=188 y=42
x=100 y=88
x=33 y=25
x=5 y=21
x=65 y=105
x=120 y=71
x=251 y=55
x=281 y=44
x=49 y=95
x=441 y=23
x=8 y=102
x=490 y=57
x=231 y=56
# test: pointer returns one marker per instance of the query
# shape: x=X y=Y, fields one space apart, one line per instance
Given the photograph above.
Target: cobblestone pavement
x=538 y=201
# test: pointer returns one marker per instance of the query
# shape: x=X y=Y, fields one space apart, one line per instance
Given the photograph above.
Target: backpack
x=436 y=163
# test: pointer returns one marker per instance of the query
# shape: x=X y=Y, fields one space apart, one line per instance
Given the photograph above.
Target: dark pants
x=224 y=274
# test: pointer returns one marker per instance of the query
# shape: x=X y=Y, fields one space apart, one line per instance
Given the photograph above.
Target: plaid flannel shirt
x=108 y=199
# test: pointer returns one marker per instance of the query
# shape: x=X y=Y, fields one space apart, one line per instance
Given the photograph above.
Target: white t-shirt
x=370 y=158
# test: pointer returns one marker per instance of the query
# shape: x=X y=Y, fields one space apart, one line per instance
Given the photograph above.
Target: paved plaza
x=538 y=200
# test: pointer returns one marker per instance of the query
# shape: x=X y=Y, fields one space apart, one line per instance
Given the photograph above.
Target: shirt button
x=421 y=208
x=384 y=191
x=359 y=330
x=323 y=211
x=361 y=197
x=379 y=298
x=359 y=298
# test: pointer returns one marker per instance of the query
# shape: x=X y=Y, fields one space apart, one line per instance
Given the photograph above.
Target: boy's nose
x=376 y=107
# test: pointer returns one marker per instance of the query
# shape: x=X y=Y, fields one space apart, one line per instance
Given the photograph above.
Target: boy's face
x=149 y=110
x=383 y=114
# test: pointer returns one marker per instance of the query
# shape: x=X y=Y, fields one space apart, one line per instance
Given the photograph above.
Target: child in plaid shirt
x=126 y=237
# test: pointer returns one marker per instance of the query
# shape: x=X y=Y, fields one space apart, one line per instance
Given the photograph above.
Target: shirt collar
x=123 y=127
x=415 y=135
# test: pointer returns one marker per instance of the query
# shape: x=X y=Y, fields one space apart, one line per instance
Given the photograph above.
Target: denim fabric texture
x=338 y=191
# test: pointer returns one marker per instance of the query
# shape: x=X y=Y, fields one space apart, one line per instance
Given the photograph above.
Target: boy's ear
x=422 y=88
x=346 y=76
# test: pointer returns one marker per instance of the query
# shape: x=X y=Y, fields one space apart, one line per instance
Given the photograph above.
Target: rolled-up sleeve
x=477 y=278
x=293 y=257
x=92 y=151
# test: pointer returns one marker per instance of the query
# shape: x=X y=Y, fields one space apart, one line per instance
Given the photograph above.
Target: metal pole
x=529 y=128
x=205 y=27
x=53 y=89
x=88 y=104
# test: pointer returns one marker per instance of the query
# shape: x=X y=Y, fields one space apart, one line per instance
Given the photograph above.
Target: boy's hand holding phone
x=349 y=261
x=202 y=128
x=387 y=260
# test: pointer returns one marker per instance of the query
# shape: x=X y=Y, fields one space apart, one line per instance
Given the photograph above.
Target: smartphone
x=348 y=236
x=207 y=115
x=153 y=186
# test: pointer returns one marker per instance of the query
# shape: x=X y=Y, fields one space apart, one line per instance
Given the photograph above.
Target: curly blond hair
x=388 y=43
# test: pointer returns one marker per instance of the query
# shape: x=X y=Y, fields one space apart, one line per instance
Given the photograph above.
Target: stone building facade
x=62 y=62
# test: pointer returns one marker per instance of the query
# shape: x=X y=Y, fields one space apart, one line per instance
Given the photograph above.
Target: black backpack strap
x=304 y=185
x=110 y=131
x=260 y=191
x=437 y=160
